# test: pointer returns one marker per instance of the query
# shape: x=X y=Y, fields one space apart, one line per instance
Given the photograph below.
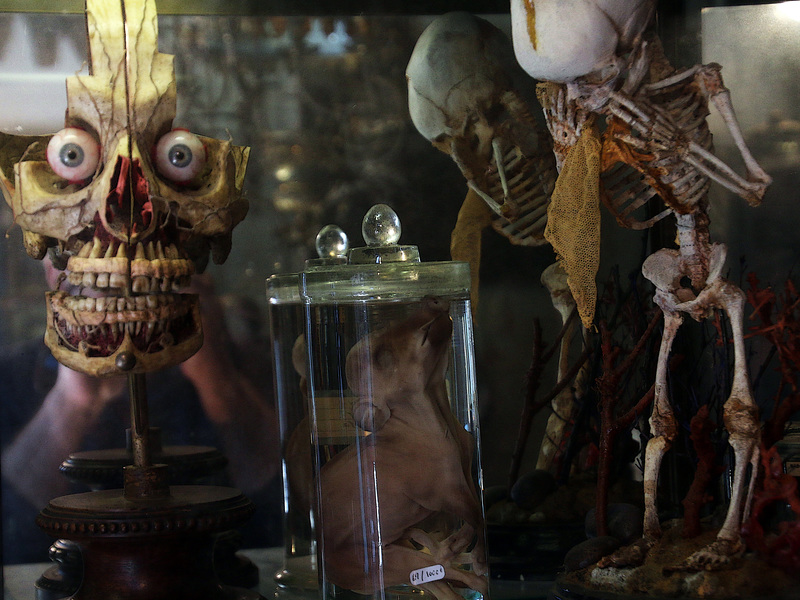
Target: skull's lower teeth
x=105 y=338
x=80 y=311
x=117 y=303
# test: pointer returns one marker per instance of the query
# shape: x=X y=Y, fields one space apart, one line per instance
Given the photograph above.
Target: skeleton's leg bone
x=740 y=415
x=664 y=429
x=663 y=426
x=554 y=279
x=741 y=421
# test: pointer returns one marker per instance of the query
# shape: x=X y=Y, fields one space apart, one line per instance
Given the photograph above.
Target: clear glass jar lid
x=384 y=270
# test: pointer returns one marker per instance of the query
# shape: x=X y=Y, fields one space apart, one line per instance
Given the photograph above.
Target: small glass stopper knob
x=332 y=242
x=381 y=226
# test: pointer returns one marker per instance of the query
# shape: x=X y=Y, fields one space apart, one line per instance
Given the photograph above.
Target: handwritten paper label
x=426 y=574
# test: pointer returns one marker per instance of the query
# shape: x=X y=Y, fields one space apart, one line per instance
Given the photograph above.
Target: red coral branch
x=782 y=549
x=779 y=323
x=611 y=424
x=701 y=428
x=531 y=406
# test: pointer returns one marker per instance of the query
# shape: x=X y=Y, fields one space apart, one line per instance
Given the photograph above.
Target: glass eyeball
x=381 y=226
x=73 y=154
x=332 y=242
x=180 y=156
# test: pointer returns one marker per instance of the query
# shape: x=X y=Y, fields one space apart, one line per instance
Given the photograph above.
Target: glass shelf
x=277 y=7
x=339 y=7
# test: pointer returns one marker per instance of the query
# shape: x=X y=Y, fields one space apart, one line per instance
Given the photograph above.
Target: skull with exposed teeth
x=127 y=206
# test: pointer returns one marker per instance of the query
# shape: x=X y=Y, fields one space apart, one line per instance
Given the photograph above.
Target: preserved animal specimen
x=415 y=465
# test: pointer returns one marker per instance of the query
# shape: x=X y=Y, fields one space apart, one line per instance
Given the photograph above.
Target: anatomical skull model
x=464 y=96
x=598 y=60
x=129 y=206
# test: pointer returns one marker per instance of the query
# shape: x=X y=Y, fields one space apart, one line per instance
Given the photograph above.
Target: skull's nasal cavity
x=129 y=210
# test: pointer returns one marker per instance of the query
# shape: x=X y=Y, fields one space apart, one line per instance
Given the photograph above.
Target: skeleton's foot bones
x=717 y=556
x=633 y=555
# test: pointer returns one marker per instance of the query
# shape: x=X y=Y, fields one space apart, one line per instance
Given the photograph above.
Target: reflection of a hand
x=86 y=392
x=212 y=356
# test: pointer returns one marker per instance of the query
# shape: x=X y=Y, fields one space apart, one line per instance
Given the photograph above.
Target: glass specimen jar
x=397 y=476
x=290 y=364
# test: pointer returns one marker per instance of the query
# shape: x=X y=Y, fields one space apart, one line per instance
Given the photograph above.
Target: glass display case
x=318 y=92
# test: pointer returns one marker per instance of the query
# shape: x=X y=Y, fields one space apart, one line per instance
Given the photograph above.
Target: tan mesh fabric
x=573 y=220
x=465 y=241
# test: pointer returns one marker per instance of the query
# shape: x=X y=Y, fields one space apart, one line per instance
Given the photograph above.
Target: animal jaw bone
x=657 y=144
x=466 y=96
x=412 y=470
x=132 y=231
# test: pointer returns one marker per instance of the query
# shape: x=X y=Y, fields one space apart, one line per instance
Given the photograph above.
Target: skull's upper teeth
x=97 y=249
x=152 y=269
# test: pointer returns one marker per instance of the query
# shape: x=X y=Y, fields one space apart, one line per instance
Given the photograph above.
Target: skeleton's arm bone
x=717 y=170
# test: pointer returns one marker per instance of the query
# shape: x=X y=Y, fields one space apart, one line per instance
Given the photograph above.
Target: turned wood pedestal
x=149 y=545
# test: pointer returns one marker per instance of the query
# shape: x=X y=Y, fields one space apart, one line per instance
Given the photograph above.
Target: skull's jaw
x=90 y=334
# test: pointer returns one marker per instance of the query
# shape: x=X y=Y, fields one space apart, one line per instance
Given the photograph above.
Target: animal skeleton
x=416 y=466
x=656 y=143
x=465 y=95
x=469 y=97
x=128 y=205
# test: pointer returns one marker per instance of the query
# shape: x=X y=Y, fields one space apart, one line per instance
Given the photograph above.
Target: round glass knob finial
x=381 y=226
x=332 y=242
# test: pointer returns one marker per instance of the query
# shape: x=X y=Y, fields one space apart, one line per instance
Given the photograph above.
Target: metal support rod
x=140 y=426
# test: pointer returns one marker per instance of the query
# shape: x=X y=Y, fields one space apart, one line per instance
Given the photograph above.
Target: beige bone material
x=657 y=143
x=127 y=231
x=563 y=405
x=467 y=95
x=413 y=469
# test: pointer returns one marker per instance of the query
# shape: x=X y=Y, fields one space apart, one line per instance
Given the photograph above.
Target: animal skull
x=128 y=205
x=554 y=48
x=466 y=94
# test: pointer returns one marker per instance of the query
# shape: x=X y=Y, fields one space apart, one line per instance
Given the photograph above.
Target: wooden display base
x=149 y=543
x=102 y=469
